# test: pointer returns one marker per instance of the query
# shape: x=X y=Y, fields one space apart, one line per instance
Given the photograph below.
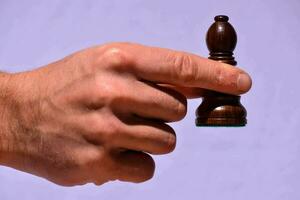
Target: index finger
x=187 y=70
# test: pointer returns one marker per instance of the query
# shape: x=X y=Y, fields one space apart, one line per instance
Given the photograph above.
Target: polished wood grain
x=219 y=109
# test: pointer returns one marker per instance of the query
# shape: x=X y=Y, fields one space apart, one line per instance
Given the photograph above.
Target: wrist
x=6 y=105
x=16 y=115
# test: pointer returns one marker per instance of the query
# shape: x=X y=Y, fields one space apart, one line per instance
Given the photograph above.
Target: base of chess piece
x=218 y=109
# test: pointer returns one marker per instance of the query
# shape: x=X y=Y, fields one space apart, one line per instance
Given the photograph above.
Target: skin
x=98 y=114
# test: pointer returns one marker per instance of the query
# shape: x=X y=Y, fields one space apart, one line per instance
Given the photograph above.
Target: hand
x=96 y=115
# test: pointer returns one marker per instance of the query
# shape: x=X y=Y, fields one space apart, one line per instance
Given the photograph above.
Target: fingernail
x=244 y=82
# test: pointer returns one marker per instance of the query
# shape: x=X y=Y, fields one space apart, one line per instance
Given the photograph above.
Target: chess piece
x=219 y=109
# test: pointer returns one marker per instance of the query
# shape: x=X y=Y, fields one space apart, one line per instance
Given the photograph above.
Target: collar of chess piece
x=221 y=40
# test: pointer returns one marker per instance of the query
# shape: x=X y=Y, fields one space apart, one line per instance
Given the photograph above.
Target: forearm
x=5 y=113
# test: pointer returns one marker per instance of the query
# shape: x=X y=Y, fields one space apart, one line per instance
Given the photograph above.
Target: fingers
x=148 y=100
x=126 y=147
x=144 y=99
x=126 y=165
x=184 y=69
x=132 y=166
x=128 y=132
x=147 y=136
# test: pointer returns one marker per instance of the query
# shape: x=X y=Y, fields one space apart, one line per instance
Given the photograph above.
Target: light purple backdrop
x=260 y=161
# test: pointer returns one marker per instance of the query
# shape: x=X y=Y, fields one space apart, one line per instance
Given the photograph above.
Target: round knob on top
x=221 y=40
x=221 y=18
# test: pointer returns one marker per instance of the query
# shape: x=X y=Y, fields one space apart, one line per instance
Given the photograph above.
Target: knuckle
x=93 y=128
x=169 y=142
x=113 y=130
x=90 y=157
x=184 y=68
x=216 y=74
x=117 y=56
x=110 y=93
x=105 y=89
x=104 y=129
x=180 y=110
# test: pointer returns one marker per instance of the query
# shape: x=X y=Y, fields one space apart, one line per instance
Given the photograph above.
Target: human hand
x=96 y=115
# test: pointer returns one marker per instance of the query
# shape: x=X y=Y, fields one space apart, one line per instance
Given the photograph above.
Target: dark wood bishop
x=219 y=109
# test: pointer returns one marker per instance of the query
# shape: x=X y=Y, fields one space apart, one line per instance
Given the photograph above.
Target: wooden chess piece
x=219 y=109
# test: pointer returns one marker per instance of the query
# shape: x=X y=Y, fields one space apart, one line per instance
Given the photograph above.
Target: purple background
x=260 y=161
